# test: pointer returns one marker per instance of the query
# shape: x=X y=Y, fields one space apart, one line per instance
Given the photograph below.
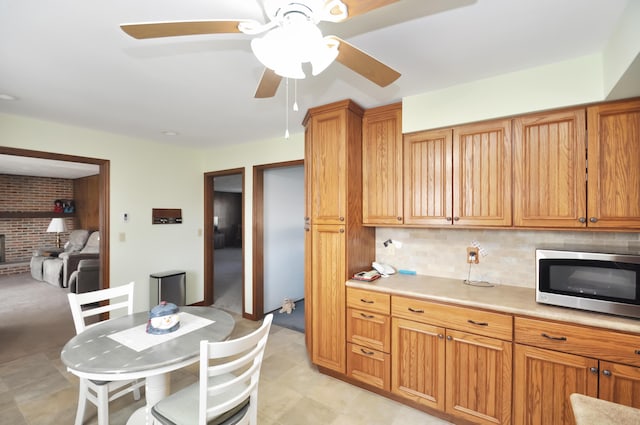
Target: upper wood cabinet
x=382 y=165
x=333 y=133
x=428 y=177
x=613 y=194
x=549 y=169
x=482 y=174
x=460 y=176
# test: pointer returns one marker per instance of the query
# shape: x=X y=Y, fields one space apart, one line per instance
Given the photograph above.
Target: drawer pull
x=368 y=353
x=367 y=316
x=555 y=338
x=413 y=310
x=637 y=352
x=366 y=301
x=473 y=322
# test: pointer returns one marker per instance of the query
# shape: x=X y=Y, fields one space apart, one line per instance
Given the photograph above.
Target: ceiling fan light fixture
x=324 y=56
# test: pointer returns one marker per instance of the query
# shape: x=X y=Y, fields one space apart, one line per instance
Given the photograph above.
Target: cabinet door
x=620 y=384
x=478 y=378
x=382 y=165
x=327 y=136
x=614 y=165
x=545 y=379
x=308 y=323
x=418 y=363
x=428 y=178
x=482 y=174
x=328 y=296
x=550 y=170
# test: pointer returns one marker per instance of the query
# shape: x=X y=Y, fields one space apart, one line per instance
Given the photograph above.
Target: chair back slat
x=237 y=371
x=90 y=305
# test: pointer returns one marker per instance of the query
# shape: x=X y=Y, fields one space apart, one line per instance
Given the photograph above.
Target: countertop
x=591 y=411
x=502 y=298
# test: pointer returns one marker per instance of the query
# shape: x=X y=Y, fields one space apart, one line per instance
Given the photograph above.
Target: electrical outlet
x=473 y=255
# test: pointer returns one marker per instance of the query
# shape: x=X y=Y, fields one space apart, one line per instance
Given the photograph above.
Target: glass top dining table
x=120 y=349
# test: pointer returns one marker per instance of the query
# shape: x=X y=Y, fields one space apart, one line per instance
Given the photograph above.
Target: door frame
x=258 y=233
x=103 y=194
x=209 y=252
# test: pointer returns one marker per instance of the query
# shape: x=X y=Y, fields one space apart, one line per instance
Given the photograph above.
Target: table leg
x=156 y=388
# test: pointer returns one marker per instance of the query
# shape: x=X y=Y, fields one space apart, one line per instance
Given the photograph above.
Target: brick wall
x=24 y=235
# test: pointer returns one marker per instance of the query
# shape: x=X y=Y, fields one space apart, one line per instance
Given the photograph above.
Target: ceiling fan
x=291 y=38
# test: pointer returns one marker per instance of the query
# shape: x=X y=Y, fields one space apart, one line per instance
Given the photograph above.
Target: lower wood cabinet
x=463 y=374
x=560 y=359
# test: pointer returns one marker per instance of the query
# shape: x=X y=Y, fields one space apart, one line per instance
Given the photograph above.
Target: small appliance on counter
x=605 y=281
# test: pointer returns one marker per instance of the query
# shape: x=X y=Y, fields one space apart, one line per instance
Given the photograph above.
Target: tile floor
x=36 y=389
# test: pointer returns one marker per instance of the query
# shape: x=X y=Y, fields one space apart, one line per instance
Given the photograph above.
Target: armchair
x=77 y=241
x=86 y=277
x=57 y=271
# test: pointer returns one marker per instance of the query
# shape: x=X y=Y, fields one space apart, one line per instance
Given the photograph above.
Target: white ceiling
x=69 y=62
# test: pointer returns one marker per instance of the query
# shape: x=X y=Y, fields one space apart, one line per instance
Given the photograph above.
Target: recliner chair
x=77 y=240
x=86 y=277
x=57 y=271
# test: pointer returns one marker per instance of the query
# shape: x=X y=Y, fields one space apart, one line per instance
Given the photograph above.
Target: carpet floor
x=293 y=321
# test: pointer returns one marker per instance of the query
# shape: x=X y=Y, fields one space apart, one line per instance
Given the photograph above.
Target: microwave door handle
x=555 y=338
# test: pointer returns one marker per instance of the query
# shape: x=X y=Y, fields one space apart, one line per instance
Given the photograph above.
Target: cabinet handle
x=366 y=301
x=368 y=353
x=440 y=336
x=449 y=338
x=593 y=219
x=593 y=369
x=582 y=219
x=399 y=218
x=341 y=218
x=341 y=230
x=473 y=322
x=606 y=372
x=637 y=352
x=367 y=316
x=413 y=310
x=555 y=338
x=448 y=218
x=456 y=218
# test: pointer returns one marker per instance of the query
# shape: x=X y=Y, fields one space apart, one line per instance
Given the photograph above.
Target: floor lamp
x=58 y=226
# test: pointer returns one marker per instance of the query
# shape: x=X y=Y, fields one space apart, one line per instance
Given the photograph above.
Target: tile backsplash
x=507 y=257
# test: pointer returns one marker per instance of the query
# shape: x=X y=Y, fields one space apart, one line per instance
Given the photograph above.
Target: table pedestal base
x=156 y=388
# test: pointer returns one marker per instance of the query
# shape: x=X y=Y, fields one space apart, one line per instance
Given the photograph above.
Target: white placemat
x=138 y=339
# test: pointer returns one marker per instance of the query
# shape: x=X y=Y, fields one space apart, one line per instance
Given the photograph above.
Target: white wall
x=620 y=53
x=283 y=235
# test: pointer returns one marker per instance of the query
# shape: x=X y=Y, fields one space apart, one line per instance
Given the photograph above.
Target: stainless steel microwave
x=596 y=281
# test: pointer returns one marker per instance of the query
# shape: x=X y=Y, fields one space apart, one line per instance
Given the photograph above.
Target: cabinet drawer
x=372 y=330
x=375 y=302
x=495 y=325
x=582 y=340
x=369 y=366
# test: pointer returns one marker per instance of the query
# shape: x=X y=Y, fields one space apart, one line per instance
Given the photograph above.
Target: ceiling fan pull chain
x=295 y=95
x=286 y=109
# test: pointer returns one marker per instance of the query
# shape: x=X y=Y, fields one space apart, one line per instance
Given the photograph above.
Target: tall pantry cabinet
x=337 y=245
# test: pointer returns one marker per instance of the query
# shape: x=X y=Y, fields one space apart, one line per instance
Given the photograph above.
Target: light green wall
x=146 y=175
x=620 y=53
x=270 y=151
x=566 y=83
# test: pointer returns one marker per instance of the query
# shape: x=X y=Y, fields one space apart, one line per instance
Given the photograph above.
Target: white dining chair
x=227 y=391
x=87 y=309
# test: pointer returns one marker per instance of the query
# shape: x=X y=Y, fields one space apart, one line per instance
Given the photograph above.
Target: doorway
x=103 y=196
x=278 y=239
x=224 y=240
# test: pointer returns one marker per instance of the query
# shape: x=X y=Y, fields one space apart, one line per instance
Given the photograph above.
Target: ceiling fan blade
x=176 y=28
x=360 y=7
x=268 y=84
x=365 y=65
